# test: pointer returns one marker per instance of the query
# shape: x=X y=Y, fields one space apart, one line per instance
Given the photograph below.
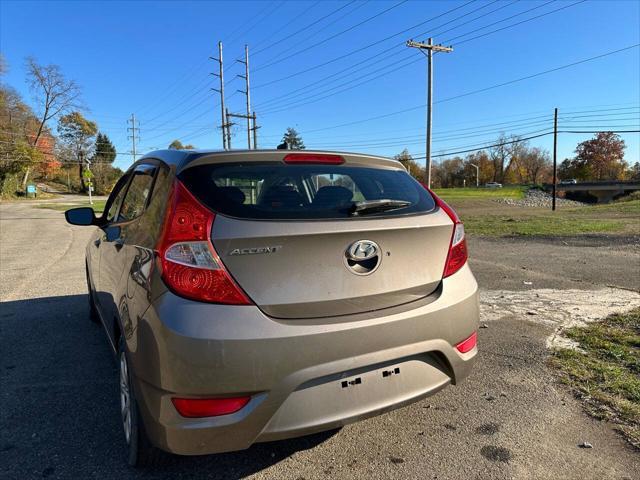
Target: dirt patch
x=560 y=309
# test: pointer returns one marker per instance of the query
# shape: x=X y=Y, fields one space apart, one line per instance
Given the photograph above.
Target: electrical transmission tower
x=247 y=93
x=227 y=117
x=225 y=125
x=429 y=47
x=135 y=135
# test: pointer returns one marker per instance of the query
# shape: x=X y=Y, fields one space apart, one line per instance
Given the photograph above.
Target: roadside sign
x=32 y=190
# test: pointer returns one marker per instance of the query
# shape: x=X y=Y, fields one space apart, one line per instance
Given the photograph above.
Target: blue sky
x=152 y=59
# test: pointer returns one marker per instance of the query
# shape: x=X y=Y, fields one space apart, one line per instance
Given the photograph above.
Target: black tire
x=93 y=311
x=140 y=451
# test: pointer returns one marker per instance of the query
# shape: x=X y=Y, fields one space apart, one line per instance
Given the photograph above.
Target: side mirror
x=81 y=216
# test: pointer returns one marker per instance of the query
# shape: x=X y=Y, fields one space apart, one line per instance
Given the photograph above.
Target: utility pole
x=220 y=75
x=247 y=93
x=255 y=131
x=555 y=158
x=430 y=48
x=134 y=137
x=90 y=181
x=228 y=125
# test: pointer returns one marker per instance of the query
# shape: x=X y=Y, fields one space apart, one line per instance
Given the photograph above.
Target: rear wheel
x=140 y=451
x=93 y=311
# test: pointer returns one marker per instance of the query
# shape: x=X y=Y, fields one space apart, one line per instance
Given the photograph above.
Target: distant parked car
x=493 y=185
x=569 y=181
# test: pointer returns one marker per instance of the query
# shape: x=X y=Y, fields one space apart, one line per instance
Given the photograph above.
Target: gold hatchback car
x=260 y=295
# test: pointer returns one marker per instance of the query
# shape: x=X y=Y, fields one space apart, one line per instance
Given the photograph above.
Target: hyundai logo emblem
x=363 y=250
x=363 y=257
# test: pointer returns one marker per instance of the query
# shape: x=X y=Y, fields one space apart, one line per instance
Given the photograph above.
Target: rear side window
x=138 y=193
x=116 y=198
x=305 y=192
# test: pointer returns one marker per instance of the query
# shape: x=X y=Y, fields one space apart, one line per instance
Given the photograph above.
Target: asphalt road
x=59 y=413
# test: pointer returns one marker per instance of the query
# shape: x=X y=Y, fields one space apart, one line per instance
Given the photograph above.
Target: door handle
x=97 y=242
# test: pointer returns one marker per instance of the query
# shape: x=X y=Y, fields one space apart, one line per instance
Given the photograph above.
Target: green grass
x=449 y=194
x=605 y=372
x=501 y=226
x=623 y=217
x=98 y=205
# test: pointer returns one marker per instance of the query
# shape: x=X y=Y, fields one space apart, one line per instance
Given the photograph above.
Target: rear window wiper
x=374 y=206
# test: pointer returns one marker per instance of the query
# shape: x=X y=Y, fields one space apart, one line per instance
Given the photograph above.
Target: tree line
x=78 y=157
x=514 y=161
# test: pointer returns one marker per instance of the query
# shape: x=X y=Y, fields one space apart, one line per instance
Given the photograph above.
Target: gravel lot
x=538 y=198
x=510 y=419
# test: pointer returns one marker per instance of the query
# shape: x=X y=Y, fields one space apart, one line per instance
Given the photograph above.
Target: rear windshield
x=305 y=192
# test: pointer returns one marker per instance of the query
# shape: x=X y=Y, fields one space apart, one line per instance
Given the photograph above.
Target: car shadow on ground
x=59 y=414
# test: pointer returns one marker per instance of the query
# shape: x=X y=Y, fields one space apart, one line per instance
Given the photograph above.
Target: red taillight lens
x=189 y=264
x=317 y=158
x=458 y=255
x=208 y=407
x=468 y=344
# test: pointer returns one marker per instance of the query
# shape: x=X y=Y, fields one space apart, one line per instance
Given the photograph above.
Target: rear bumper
x=294 y=370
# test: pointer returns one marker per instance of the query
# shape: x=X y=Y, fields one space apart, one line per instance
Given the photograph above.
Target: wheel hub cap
x=125 y=397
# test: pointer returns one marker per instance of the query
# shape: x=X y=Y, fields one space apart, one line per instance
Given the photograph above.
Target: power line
x=419 y=139
x=323 y=29
x=528 y=138
x=202 y=88
x=562 y=67
x=331 y=37
x=178 y=83
x=415 y=26
x=305 y=28
x=294 y=105
x=599 y=131
x=304 y=12
x=260 y=17
x=417 y=107
x=267 y=11
x=333 y=91
x=353 y=52
x=514 y=24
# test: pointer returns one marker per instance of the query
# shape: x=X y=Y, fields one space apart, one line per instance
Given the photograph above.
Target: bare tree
x=534 y=164
x=54 y=95
x=506 y=152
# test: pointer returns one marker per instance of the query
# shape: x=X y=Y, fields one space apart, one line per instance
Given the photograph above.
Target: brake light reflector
x=189 y=264
x=316 y=158
x=208 y=407
x=468 y=344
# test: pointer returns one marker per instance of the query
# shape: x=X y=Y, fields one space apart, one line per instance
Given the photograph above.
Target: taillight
x=315 y=158
x=208 y=407
x=458 y=255
x=189 y=264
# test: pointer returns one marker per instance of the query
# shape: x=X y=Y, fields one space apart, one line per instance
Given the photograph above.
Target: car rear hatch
x=308 y=236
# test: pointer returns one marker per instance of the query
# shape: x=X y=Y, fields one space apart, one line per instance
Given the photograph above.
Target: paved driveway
x=59 y=411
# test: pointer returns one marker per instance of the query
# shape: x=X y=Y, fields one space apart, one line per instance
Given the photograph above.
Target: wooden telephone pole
x=429 y=47
x=555 y=159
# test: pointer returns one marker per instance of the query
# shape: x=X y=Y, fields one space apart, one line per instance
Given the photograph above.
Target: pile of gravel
x=538 y=198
